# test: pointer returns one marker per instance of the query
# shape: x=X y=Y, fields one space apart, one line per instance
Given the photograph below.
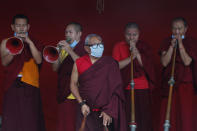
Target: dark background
x=48 y=19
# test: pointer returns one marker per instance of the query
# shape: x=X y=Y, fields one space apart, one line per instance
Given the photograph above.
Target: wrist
x=171 y=46
x=30 y=43
x=82 y=103
x=181 y=48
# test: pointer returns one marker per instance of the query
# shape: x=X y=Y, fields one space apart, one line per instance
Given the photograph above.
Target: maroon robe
x=67 y=107
x=183 y=116
x=64 y=73
x=13 y=69
x=142 y=96
x=22 y=108
x=101 y=87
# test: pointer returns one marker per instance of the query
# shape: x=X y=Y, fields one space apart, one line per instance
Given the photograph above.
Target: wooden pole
x=132 y=123
x=171 y=82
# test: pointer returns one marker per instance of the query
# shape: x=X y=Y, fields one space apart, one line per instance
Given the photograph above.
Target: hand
x=132 y=44
x=173 y=42
x=85 y=110
x=24 y=37
x=64 y=45
x=179 y=38
x=135 y=52
x=175 y=39
x=27 y=40
x=107 y=120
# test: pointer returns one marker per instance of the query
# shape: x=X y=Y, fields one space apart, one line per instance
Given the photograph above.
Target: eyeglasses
x=96 y=45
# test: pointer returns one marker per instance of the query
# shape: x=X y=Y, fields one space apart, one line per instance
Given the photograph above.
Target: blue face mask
x=15 y=34
x=97 y=50
x=72 y=45
x=183 y=37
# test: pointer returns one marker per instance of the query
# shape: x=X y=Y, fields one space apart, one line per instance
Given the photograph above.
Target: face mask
x=97 y=50
x=25 y=33
x=183 y=37
x=72 y=45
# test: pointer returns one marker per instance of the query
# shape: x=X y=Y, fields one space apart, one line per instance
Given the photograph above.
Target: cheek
x=183 y=31
x=87 y=49
x=72 y=35
x=127 y=38
x=26 y=28
x=173 y=31
x=136 y=38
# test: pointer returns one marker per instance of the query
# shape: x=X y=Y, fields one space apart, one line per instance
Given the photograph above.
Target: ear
x=28 y=27
x=87 y=49
x=186 y=29
x=79 y=34
x=12 y=27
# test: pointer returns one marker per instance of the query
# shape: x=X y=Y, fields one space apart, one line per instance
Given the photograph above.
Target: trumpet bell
x=50 y=54
x=14 y=45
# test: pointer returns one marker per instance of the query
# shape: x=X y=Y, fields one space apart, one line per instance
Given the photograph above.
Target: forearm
x=6 y=59
x=184 y=55
x=55 y=66
x=139 y=59
x=166 y=57
x=35 y=53
x=73 y=55
x=124 y=63
x=75 y=92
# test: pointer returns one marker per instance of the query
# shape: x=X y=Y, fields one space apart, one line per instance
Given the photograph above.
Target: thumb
x=101 y=115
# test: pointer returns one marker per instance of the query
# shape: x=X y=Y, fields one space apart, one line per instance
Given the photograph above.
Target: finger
x=110 y=120
x=104 y=122
x=101 y=115
x=87 y=112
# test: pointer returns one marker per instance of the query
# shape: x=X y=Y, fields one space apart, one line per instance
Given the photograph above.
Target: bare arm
x=65 y=46
x=74 y=89
x=34 y=51
x=124 y=63
x=6 y=58
x=166 y=56
x=74 y=84
x=184 y=55
x=138 y=56
x=72 y=53
x=56 y=65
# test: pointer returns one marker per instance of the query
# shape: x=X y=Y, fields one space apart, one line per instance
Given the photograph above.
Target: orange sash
x=30 y=73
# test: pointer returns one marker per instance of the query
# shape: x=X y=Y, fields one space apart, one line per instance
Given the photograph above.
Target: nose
x=177 y=31
x=131 y=37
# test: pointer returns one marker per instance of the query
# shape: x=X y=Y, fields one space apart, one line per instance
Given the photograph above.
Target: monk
x=69 y=50
x=96 y=84
x=22 y=108
x=183 y=99
x=144 y=75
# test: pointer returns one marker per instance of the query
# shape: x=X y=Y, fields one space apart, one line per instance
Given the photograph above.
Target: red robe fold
x=101 y=87
x=183 y=114
x=22 y=108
